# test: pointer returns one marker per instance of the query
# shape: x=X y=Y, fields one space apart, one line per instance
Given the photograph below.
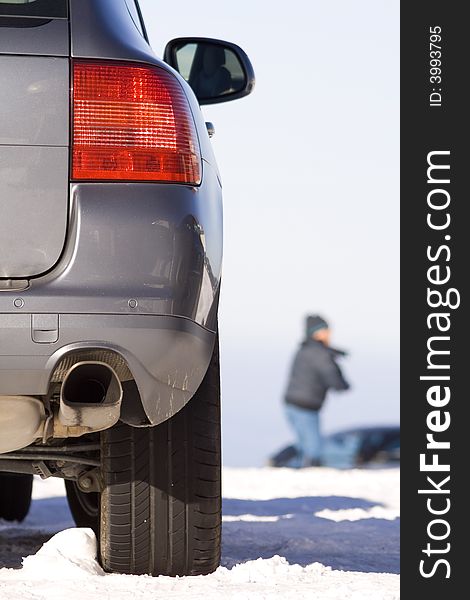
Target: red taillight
x=132 y=123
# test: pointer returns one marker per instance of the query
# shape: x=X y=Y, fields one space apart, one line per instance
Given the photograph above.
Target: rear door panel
x=34 y=36
x=34 y=101
x=33 y=208
x=34 y=162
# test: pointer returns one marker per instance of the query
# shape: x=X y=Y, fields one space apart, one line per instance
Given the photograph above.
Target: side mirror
x=217 y=71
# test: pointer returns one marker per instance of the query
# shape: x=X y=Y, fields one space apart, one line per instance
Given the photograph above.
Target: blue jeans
x=306 y=424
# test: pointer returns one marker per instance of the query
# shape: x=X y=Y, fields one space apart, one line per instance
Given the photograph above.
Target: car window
x=393 y=444
x=34 y=8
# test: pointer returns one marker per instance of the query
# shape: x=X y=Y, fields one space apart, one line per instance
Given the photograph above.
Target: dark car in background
x=110 y=263
x=356 y=447
x=361 y=446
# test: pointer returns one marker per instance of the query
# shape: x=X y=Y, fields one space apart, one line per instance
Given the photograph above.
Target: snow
x=293 y=534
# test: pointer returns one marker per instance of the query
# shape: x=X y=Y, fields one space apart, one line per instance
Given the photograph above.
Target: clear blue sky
x=310 y=164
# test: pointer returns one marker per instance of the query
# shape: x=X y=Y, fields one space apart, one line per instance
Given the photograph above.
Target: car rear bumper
x=138 y=278
x=167 y=356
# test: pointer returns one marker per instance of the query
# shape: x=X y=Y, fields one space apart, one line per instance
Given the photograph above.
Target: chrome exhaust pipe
x=90 y=396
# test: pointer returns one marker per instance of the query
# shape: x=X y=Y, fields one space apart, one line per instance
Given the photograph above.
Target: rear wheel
x=15 y=496
x=161 y=505
x=85 y=507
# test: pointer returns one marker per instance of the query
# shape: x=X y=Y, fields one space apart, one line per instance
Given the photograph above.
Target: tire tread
x=168 y=477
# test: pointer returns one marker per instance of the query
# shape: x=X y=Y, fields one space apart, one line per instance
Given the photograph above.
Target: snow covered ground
x=318 y=534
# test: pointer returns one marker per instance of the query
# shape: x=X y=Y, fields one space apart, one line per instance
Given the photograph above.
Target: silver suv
x=110 y=261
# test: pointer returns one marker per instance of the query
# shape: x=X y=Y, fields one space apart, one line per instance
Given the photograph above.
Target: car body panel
x=33 y=208
x=167 y=356
x=35 y=103
x=160 y=244
x=34 y=163
x=48 y=37
x=139 y=276
x=105 y=29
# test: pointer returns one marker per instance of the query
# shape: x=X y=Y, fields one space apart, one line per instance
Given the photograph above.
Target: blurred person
x=314 y=371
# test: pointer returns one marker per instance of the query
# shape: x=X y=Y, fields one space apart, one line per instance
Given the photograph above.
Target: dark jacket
x=313 y=372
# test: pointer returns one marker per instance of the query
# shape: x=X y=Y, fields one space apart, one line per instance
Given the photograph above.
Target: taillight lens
x=132 y=123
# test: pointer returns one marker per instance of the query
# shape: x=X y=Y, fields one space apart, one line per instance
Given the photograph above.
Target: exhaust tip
x=90 y=396
x=88 y=383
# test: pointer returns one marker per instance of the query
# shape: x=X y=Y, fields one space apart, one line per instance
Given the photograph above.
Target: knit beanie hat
x=315 y=323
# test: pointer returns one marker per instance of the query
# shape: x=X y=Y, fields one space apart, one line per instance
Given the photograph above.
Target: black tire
x=85 y=508
x=15 y=496
x=161 y=506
